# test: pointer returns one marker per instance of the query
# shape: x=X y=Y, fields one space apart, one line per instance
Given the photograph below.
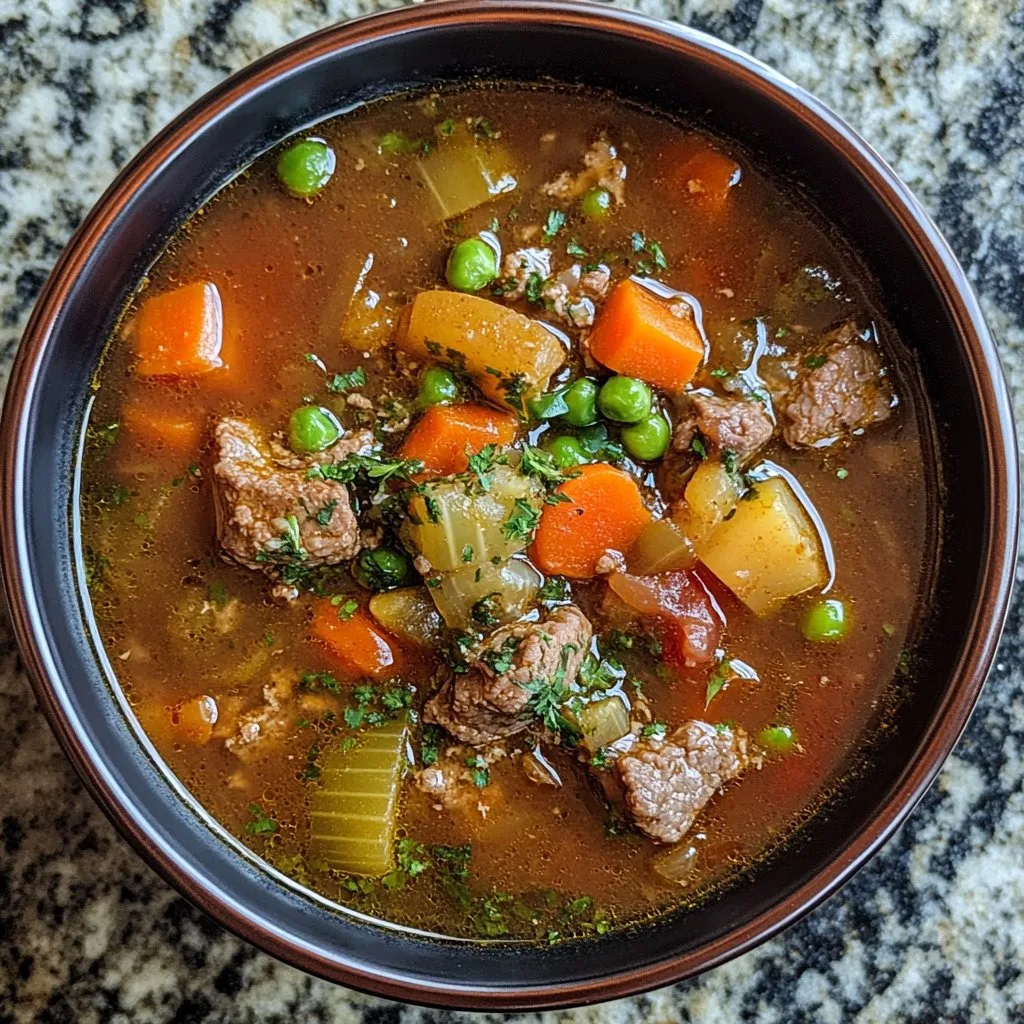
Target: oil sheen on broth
x=658 y=655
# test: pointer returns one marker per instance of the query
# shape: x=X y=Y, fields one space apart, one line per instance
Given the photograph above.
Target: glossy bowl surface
x=665 y=67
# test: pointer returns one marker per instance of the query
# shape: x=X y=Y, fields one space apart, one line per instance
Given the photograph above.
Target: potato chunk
x=509 y=356
x=768 y=551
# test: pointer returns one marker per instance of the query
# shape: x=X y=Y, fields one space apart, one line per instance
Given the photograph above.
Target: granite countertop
x=932 y=929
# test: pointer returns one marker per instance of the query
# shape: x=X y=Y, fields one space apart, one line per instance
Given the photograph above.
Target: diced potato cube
x=463 y=172
x=768 y=551
x=509 y=356
x=711 y=494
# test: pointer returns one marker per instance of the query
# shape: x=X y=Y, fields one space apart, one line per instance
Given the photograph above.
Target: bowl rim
x=948 y=278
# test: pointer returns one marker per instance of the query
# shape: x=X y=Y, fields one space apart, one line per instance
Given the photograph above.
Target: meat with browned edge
x=260 y=491
x=839 y=388
x=738 y=425
x=489 y=701
x=668 y=781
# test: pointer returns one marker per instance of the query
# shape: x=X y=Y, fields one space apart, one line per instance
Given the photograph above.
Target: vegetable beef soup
x=506 y=512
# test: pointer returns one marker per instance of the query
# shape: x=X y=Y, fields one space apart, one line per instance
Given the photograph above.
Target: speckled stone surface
x=932 y=930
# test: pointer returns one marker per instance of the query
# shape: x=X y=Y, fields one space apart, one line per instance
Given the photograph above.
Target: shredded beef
x=257 y=486
x=601 y=167
x=489 y=701
x=668 y=781
x=838 y=389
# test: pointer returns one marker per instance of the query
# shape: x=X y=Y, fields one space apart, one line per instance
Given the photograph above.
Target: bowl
x=665 y=67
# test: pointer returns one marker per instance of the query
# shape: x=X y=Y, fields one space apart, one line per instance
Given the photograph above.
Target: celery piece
x=355 y=809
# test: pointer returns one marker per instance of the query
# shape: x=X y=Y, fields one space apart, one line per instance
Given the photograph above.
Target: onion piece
x=662 y=546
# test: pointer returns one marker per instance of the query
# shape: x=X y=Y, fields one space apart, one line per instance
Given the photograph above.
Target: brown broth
x=280 y=265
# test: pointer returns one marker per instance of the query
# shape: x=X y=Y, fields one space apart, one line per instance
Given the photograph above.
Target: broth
x=513 y=857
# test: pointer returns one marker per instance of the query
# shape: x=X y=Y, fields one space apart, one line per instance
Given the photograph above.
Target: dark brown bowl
x=665 y=67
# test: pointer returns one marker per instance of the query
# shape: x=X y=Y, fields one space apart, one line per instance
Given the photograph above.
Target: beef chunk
x=838 y=389
x=262 y=497
x=668 y=781
x=489 y=701
x=568 y=294
x=727 y=424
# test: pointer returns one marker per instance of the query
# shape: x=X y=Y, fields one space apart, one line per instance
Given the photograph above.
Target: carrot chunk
x=639 y=335
x=605 y=512
x=356 y=645
x=446 y=435
x=707 y=177
x=179 y=333
x=163 y=428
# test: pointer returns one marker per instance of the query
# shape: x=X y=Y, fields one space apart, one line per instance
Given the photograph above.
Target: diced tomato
x=688 y=620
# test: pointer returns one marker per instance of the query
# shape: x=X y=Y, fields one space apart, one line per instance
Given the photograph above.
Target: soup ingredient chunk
x=647 y=440
x=520 y=671
x=179 y=333
x=472 y=265
x=312 y=429
x=453 y=524
x=826 y=621
x=445 y=436
x=269 y=515
x=641 y=335
x=466 y=170
x=738 y=425
x=839 y=389
x=707 y=178
x=602 y=169
x=596 y=203
x=604 y=512
x=357 y=646
x=768 y=550
x=305 y=167
x=438 y=386
x=509 y=356
x=261 y=730
x=624 y=399
x=669 y=781
x=354 y=811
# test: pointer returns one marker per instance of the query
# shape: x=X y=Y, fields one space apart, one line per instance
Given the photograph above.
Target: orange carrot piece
x=706 y=178
x=605 y=512
x=179 y=333
x=638 y=334
x=165 y=429
x=446 y=435
x=194 y=718
x=357 y=645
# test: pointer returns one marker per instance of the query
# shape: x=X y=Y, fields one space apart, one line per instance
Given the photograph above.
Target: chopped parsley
x=655 y=730
x=320 y=681
x=483 y=129
x=522 y=521
x=722 y=674
x=842 y=473
x=534 y=290
x=554 y=223
x=555 y=589
x=347 y=606
x=502 y=659
x=325 y=513
x=485 y=611
x=698 y=446
x=654 y=255
x=479 y=772
x=373 y=468
x=573 y=248
x=815 y=362
x=348 y=381
x=541 y=464
x=262 y=824
x=430 y=744
x=719 y=372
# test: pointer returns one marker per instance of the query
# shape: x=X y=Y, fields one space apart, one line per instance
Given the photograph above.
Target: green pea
x=777 y=739
x=827 y=622
x=548 y=406
x=306 y=167
x=624 y=399
x=438 y=386
x=312 y=429
x=381 y=569
x=648 y=439
x=581 y=403
x=596 y=203
x=566 y=451
x=472 y=265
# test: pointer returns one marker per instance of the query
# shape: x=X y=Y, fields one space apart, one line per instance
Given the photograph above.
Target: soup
x=505 y=511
